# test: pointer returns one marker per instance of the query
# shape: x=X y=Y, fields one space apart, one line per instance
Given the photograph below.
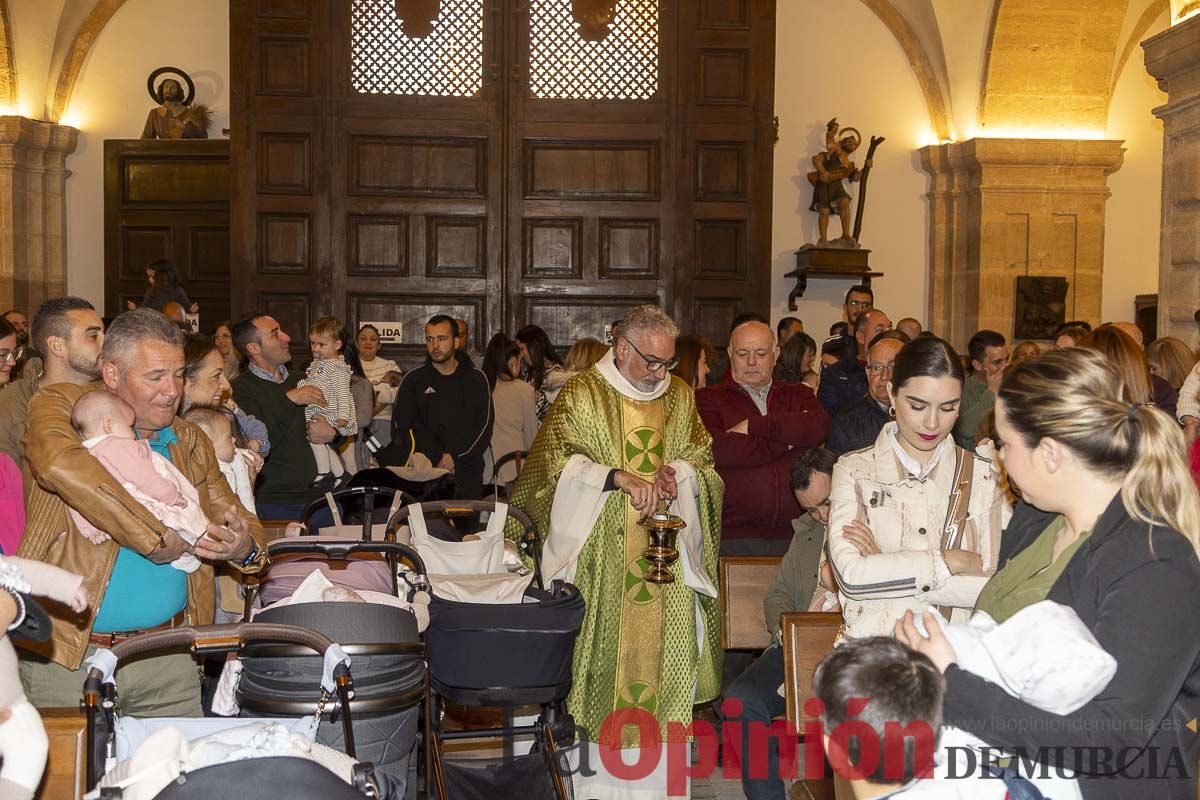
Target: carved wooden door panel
x=484 y=159
x=281 y=134
x=725 y=123
x=418 y=170
x=167 y=199
x=592 y=203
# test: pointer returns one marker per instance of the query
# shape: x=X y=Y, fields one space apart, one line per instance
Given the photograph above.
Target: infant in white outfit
x=1043 y=655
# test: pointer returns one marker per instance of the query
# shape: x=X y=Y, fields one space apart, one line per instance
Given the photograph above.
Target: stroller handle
x=219 y=639
x=355 y=491
x=342 y=549
x=204 y=639
x=453 y=508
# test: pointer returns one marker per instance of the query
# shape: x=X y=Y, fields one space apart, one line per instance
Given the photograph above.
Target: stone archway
x=77 y=55
x=1049 y=67
x=8 y=69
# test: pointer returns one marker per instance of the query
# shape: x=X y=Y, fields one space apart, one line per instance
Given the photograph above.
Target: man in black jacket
x=860 y=423
x=443 y=410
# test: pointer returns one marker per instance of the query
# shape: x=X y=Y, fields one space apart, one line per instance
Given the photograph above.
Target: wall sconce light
x=594 y=17
x=417 y=16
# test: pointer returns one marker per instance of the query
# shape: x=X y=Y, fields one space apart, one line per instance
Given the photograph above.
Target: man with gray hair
x=622 y=436
x=130 y=581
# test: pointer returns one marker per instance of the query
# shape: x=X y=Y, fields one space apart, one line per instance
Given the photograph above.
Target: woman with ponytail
x=1108 y=526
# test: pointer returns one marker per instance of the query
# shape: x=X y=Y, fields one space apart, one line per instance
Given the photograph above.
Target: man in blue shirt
x=129 y=578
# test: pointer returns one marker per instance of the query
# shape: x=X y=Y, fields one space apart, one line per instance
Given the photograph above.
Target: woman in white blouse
x=915 y=520
x=384 y=375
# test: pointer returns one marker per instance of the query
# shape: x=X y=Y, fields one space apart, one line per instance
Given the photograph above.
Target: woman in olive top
x=1109 y=527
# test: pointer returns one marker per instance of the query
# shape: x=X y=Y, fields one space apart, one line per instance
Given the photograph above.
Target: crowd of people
x=907 y=487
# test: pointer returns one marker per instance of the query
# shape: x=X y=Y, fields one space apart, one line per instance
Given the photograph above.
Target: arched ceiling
x=8 y=65
x=914 y=26
x=77 y=53
x=1050 y=67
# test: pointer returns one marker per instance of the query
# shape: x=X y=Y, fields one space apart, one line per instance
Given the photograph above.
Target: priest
x=619 y=438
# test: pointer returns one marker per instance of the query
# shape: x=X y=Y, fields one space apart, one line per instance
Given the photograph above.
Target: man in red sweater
x=757 y=426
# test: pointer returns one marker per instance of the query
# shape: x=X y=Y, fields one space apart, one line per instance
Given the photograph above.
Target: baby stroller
x=383 y=641
x=502 y=656
x=112 y=738
x=353 y=514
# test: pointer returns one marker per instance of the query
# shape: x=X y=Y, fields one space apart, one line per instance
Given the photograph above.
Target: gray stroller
x=253 y=779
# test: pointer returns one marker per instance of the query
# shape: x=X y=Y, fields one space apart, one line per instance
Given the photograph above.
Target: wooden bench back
x=66 y=764
x=807 y=637
x=744 y=584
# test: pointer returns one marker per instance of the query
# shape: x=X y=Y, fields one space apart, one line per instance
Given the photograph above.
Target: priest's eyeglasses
x=654 y=364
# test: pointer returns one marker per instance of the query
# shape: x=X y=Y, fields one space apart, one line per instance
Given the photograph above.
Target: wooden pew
x=744 y=584
x=66 y=766
x=807 y=637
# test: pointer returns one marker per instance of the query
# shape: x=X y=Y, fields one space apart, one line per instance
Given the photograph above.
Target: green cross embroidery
x=637 y=590
x=639 y=694
x=644 y=450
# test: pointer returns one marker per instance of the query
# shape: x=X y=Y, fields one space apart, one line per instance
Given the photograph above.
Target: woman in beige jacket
x=915 y=520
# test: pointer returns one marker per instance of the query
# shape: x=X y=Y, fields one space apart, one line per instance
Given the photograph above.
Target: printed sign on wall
x=389 y=332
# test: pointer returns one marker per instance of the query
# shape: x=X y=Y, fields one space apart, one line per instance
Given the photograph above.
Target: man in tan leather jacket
x=142 y=362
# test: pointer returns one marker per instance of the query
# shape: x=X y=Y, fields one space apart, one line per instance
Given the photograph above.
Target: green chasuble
x=638 y=645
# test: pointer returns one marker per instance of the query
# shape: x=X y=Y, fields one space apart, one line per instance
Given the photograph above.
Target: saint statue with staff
x=833 y=165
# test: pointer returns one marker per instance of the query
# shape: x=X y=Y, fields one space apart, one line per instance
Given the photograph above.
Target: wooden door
x=167 y=199
x=494 y=164
x=418 y=169
x=725 y=123
x=281 y=132
x=591 y=193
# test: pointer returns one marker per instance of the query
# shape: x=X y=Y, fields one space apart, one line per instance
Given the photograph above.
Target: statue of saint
x=833 y=166
x=173 y=119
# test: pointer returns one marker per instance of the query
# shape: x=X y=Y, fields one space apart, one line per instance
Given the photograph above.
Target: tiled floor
x=717 y=788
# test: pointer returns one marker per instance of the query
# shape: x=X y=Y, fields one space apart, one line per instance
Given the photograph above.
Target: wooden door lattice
x=496 y=161
x=387 y=56
x=564 y=65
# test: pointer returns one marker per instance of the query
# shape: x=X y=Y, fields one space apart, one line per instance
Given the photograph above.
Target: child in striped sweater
x=330 y=373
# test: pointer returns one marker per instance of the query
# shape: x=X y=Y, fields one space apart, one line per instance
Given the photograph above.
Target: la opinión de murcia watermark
x=916 y=741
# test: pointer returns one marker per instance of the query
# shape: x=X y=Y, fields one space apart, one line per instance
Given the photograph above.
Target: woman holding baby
x=1108 y=527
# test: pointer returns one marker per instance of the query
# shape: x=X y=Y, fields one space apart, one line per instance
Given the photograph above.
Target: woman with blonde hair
x=1108 y=526
x=915 y=520
x=583 y=354
x=1170 y=359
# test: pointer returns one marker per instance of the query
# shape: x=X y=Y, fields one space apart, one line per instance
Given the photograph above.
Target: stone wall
x=1002 y=208
x=33 y=222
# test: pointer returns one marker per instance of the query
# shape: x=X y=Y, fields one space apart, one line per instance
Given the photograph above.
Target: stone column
x=33 y=213
x=1173 y=58
x=1003 y=208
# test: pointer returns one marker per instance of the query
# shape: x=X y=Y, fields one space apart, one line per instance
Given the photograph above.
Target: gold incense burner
x=663 y=528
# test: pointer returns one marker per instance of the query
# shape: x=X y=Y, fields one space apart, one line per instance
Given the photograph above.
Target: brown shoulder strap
x=956 y=512
x=960 y=497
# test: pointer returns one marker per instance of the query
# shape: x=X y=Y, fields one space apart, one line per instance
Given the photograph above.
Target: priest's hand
x=664 y=481
x=643 y=495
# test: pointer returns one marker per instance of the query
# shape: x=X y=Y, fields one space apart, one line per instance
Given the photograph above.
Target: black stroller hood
x=297 y=676
x=479 y=646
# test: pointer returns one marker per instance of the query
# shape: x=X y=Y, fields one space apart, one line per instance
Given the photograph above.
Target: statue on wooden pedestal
x=829 y=195
x=176 y=117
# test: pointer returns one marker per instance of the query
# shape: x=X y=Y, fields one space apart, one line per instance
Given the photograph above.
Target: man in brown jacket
x=130 y=579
